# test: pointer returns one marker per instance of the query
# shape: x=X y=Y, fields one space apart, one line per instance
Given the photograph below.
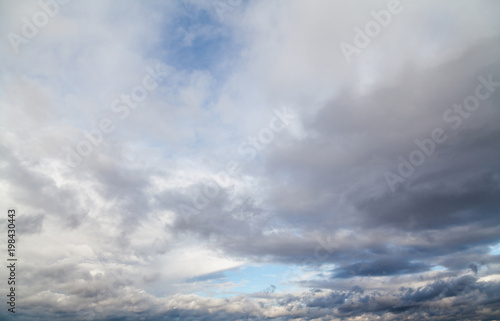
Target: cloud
x=107 y=239
x=379 y=267
x=31 y=224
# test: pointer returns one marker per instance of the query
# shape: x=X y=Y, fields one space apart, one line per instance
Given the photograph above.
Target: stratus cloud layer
x=106 y=239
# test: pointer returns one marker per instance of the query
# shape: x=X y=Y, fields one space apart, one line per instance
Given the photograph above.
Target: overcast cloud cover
x=251 y=160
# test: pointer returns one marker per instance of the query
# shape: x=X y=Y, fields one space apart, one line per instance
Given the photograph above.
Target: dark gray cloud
x=380 y=267
x=456 y=187
x=209 y=276
x=31 y=223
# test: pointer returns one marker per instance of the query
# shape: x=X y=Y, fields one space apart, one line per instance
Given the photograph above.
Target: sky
x=251 y=160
